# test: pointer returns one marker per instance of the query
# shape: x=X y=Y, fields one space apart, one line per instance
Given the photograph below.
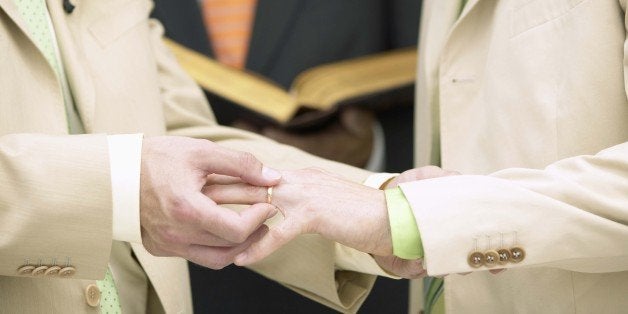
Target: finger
x=207 y=239
x=215 y=178
x=228 y=224
x=236 y=193
x=240 y=164
x=276 y=237
x=220 y=257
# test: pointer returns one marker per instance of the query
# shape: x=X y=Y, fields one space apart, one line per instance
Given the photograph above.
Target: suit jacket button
x=25 y=270
x=67 y=271
x=476 y=259
x=52 y=271
x=39 y=271
x=517 y=254
x=92 y=295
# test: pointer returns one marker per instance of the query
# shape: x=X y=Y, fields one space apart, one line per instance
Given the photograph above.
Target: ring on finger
x=269 y=195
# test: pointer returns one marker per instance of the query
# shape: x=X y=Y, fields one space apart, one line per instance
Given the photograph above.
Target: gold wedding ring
x=269 y=195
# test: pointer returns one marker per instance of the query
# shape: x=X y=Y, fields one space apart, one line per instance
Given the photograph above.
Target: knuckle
x=181 y=210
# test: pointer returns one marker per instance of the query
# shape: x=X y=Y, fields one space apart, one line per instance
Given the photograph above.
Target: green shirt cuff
x=406 y=238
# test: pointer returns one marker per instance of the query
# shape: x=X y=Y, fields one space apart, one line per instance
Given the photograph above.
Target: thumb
x=242 y=165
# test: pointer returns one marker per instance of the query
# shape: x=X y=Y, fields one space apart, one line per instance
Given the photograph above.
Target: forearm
x=55 y=202
x=571 y=215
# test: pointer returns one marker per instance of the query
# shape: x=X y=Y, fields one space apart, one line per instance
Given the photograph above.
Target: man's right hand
x=178 y=220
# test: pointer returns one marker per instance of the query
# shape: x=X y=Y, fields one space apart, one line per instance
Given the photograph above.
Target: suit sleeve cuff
x=353 y=260
x=125 y=157
x=403 y=227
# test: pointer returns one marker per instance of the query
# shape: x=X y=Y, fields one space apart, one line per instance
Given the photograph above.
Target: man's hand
x=410 y=269
x=177 y=219
x=313 y=201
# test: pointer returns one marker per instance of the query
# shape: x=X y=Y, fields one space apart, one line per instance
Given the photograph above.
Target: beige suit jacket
x=55 y=194
x=536 y=87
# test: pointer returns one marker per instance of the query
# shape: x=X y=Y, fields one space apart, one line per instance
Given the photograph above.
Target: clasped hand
x=314 y=201
x=178 y=220
x=185 y=181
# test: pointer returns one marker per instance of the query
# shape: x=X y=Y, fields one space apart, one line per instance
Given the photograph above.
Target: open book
x=316 y=94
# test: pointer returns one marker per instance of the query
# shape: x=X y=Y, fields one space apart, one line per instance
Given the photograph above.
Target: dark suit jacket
x=290 y=36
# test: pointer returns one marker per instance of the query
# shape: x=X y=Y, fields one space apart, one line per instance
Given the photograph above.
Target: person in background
x=279 y=39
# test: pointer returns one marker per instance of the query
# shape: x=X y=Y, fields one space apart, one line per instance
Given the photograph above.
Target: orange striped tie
x=229 y=25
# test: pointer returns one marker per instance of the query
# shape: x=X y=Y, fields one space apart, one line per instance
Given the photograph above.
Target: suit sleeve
x=571 y=215
x=55 y=203
x=308 y=264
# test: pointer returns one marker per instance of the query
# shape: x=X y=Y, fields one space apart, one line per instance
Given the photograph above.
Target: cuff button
x=67 y=271
x=39 y=271
x=504 y=256
x=517 y=254
x=476 y=259
x=92 y=295
x=52 y=271
x=25 y=270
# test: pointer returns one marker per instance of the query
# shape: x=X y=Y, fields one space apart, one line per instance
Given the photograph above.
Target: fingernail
x=272 y=213
x=270 y=174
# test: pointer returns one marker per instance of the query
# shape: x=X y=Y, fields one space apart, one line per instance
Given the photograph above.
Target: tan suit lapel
x=67 y=28
x=436 y=23
x=8 y=6
x=440 y=19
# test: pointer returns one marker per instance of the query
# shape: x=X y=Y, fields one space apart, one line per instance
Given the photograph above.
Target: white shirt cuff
x=378 y=179
x=125 y=158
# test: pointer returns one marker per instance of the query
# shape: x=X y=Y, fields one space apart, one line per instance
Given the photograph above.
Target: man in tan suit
x=523 y=83
x=528 y=99
x=74 y=208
